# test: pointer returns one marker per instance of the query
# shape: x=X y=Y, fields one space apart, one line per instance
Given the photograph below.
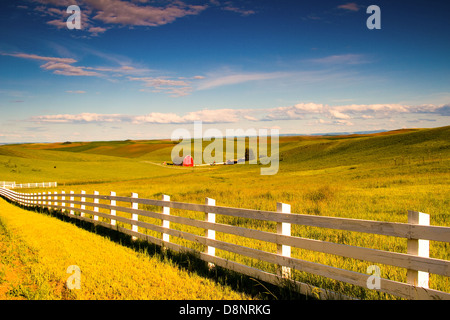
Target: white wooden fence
x=13 y=185
x=7 y=184
x=417 y=231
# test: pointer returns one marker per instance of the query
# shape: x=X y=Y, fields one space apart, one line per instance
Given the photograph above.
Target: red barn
x=188 y=161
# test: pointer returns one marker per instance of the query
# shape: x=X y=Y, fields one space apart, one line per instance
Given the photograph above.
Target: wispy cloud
x=218 y=80
x=37 y=57
x=76 y=91
x=174 y=87
x=341 y=59
x=351 y=6
x=61 y=66
x=230 y=7
x=67 y=67
x=95 y=31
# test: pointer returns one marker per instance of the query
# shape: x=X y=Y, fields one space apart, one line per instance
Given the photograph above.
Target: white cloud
x=348 y=59
x=96 y=30
x=324 y=114
x=158 y=117
x=206 y=116
x=77 y=91
x=338 y=115
x=81 y=118
x=347 y=112
x=175 y=88
x=298 y=111
x=213 y=81
x=158 y=82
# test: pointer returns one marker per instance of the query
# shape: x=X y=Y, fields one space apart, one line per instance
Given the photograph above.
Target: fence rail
x=7 y=184
x=13 y=185
x=417 y=231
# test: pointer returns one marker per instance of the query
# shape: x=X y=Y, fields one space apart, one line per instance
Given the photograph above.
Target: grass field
x=374 y=177
x=34 y=266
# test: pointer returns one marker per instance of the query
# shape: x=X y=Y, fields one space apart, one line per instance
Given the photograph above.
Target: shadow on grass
x=189 y=262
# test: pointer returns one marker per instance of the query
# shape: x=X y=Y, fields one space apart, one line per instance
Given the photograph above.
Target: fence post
x=284 y=229
x=63 y=199
x=166 y=223
x=82 y=207
x=113 y=211
x=39 y=198
x=44 y=198
x=210 y=234
x=134 y=216
x=49 y=198
x=96 y=201
x=55 y=198
x=418 y=247
x=72 y=205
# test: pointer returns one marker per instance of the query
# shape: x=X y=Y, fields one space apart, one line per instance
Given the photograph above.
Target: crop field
x=374 y=177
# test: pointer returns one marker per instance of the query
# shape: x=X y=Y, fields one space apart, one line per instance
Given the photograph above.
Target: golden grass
x=108 y=270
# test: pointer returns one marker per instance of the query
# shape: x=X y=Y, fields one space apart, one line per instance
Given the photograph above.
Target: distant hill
x=306 y=151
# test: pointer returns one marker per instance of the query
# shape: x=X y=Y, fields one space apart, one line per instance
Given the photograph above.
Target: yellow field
x=36 y=251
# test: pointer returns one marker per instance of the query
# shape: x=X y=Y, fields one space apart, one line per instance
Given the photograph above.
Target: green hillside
x=431 y=144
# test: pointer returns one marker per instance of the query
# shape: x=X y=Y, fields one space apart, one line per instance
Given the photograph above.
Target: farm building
x=186 y=161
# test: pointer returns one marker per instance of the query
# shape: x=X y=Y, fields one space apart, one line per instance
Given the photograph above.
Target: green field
x=374 y=177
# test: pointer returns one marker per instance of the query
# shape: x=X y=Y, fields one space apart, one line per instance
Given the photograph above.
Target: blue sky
x=140 y=69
